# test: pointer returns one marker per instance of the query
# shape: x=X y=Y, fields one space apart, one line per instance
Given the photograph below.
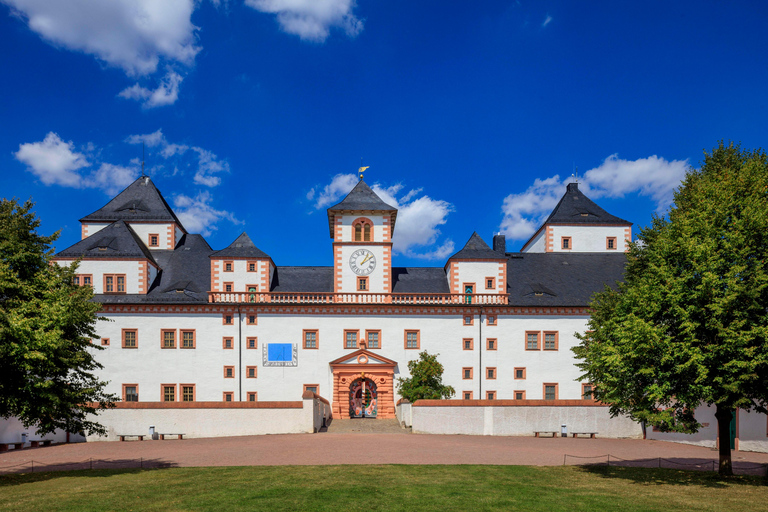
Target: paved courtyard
x=349 y=447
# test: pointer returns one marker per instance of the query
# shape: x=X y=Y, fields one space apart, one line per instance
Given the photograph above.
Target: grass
x=374 y=487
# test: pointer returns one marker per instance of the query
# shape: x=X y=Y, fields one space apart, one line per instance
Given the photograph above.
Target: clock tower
x=361 y=226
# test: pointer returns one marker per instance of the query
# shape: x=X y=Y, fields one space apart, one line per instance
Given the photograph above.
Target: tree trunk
x=724 y=417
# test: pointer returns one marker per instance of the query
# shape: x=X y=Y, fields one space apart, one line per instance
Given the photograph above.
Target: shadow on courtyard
x=32 y=471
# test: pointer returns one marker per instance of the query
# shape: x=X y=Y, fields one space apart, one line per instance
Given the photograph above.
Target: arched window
x=367 y=233
x=358 y=232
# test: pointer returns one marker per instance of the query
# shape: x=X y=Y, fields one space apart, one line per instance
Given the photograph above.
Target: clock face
x=362 y=262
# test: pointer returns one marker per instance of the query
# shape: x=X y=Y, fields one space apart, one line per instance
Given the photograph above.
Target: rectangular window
x=229 y=372
x=412 y=339
x=374 y=339
x=469 y=289
x=532 y=340
x=227 y=319
x=228 y=287
x=362 y=284
x=130 y=392
x=169 y=392
x=610 y=243
x=566 y=242
x=490 y=344
x=550 y=340
x=519 y=395
x=490 y=395
x=114 y=283
x=130 y=338
x=227 y=343
x=586 y=391
x=87 y=280
x=310 y=339
x=168 y=338
x=76 y=280
x=490 y=283
x=187 y=392
x=251 y=343
x=187 y=338
x=350 y=339
x=467 y=395
x=228 y=396
x=228 y=266
x=550 y=391
x=520 y=373
x=83 y=280
x=250 y=372
x=251 y=266
x=315 y=388
x=154 y=240
x=490 y=373
x=468 y=343
x=251 y=320
x=491 y=320
x=105 y=341
x=468 y=319
x=252 y=396
x=466 y=373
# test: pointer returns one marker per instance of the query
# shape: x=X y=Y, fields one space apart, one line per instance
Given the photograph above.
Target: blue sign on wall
x=279 y=352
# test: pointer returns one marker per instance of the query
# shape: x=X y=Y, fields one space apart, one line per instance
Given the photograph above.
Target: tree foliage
x=46 y=327
x=426 y=380
x=689 y=326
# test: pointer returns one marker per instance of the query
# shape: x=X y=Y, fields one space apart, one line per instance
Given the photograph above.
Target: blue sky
x=471 y=115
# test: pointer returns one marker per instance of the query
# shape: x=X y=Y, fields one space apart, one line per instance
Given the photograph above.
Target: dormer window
x=154 y=240
x=227 y=266
x=566 y=242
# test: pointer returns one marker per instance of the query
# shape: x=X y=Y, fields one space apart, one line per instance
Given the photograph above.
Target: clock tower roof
x=362 y=198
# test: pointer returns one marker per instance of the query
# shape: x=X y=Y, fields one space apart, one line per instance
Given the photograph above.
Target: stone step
x=365 y=426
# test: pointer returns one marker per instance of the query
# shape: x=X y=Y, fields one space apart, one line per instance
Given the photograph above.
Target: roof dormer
x=477 y=269
x=241 y=267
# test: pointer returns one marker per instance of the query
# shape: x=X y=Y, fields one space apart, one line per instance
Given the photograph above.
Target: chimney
x=500 y=243
x=573 y=187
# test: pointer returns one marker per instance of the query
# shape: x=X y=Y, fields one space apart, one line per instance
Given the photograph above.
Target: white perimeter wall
x=11 y=430
x=587 y=238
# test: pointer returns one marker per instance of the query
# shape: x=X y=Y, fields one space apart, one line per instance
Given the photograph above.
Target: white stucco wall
x=143 y=230
x=91 y=228
x=539 y=242
x=375 y=278
x=348 y=231
x=588 y=238
x=11 y=430
x=240 y=277
x=477 y=272
x=97 y=268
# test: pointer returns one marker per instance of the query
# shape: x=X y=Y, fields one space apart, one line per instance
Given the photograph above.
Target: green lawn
x=348 y=488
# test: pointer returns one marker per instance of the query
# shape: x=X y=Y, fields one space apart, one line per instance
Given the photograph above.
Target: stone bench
x=35 y=444
x=123 y=436
x=590 y=434
x=162 y=436
x=537 y=433
x=16 y=446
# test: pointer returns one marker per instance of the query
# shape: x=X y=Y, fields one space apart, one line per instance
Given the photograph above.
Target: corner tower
x=361 y=227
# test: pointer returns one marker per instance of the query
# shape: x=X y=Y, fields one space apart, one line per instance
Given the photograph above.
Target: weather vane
x=362 y=169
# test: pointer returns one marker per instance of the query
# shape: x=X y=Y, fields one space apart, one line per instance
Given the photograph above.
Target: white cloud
x=208 y=165
x=198 y=216
x=133 y=35
x=53 y=160
x=112 y=178
x=166 y=93
x=547 y=21
x=150 y=139
x=311 y=20
x=418 y=216
x=653 y=177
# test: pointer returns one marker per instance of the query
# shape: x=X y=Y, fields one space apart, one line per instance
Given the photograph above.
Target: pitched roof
x=303 y=279
x=576 y=208
x=141 y=200
x=361 y=198
x=242 y=247
x=114 y=241
x=477 y=249
x=419 y=280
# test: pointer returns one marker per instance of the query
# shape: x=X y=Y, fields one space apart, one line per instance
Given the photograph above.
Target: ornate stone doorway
x=366 y=377
x=363 y=399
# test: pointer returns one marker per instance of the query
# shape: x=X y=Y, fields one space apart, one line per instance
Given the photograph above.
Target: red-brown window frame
x=362 y=281
x=471 y=319
x=544 y=390
x=418 y=339
x=491 y=373
x=105 y=342
x=515 y=392
x=254 y=394
x=131 y=386
x=583 y=392
x=488 y=344
x=608 y=241
x=181 y=338
x=181 y=392
x=230 y=394
x=255 y=266
x=464 y=395
x=229 y=376
x=162 y=338
x=544 y=341
x=516 y=370
x=569 y=239
x=316 y=386
x=538 y=340
x=224 y=318
x=157 y=240
x=248 y=343
x=136 y=332
x=231 y=264
x=371 y=331
x=464 y=373
x=248 y=372
x=491 y=395
x=488 y=320
x=231 y=343
x=357 y=339
x=162 y=392
x=115 y=291
x=248 y=319
x=317 y=338
x=493 y=283
x=471 y=343
x=229 y=287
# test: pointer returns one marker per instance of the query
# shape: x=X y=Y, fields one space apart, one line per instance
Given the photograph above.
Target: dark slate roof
x=561 y=279
x=242 y=247
x=419 y=280
x=477 y=249
x=141 y=200
x=362 y=197
x=114 y=241
x=576 y=208
x=303 y=279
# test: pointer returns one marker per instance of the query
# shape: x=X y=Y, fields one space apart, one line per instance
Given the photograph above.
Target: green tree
x=46 y=327
x=426 y=380
x=689 y=326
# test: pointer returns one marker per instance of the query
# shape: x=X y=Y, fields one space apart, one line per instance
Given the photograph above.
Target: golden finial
x=361 y=170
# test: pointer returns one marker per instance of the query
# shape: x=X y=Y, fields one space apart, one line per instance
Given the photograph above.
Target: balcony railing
x=400 y=299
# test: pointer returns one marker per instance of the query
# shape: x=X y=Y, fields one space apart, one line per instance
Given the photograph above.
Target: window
x=187 y=338
x=251 y=320
x=83 y=280
x=315 y=388
x=466 y=373
x=363 y=230
x=229 y=372
x=130 y=338
x=251 y=266
x=310 y=339
x=350 y=339
x=168 y=338
x=468 y=319
x=374 y=339
x=565 y=242
x=362 y=284
x=252 y=397
x=228 y=287
x=228 y=266
x=610 y=243
x=227 y=319
x=227 y=343
x=104 y=341
x=468 y=343
x=228 y=396
x=114 y=283
x=550 y=391
x=469 y=289
x=491 y=320
x=519 y=373
x=250 y=343
x=154 y=240
x=169 y=392
x=76 y=281
x=519 y=395
x=250 y=372
x=367 y=233
x=490 y=395
x=490 y=373
x=412 y=339
x=550 y=340
x=490 y=283
x=532 y=340
x=586 y=391
x=187 y=392
x=252 y=289
x=490 y=344
x=467 y=395
x=130 y=392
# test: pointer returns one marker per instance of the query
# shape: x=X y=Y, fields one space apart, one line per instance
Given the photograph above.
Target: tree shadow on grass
x=34 y=472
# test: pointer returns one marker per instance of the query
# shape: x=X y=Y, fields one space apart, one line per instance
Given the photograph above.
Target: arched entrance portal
x=363 y=399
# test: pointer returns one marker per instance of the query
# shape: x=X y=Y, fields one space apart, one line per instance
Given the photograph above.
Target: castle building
x=189 y=323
